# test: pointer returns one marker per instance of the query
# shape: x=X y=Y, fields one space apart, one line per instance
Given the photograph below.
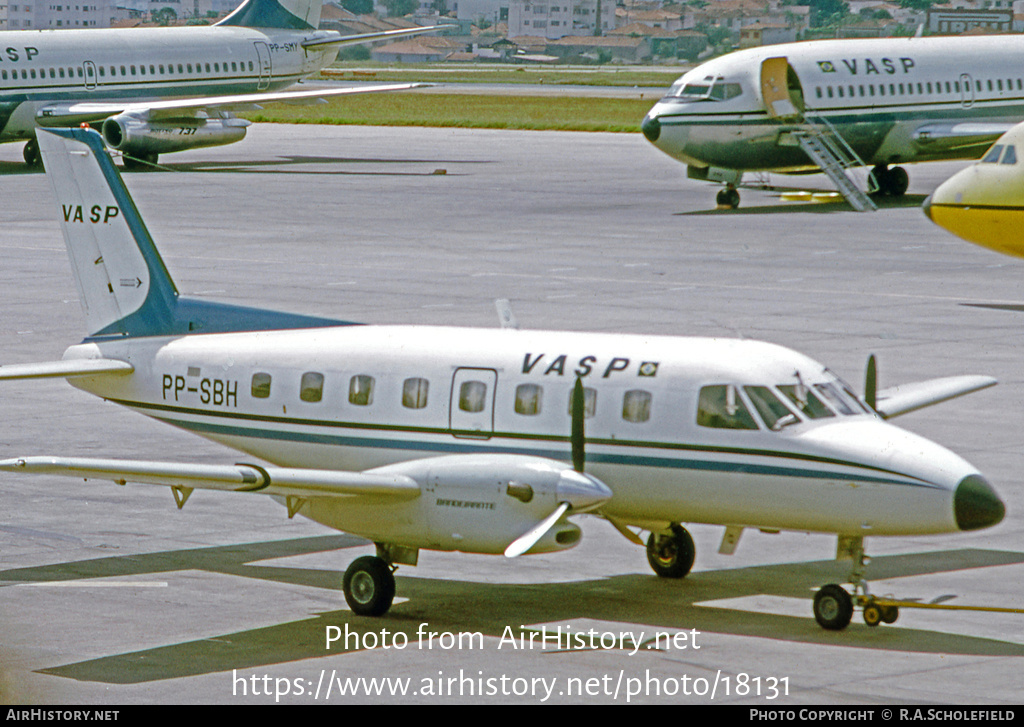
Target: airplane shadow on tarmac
x=458 y=606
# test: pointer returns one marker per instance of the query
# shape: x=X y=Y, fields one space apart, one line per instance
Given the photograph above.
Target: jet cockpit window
x=774 y=413
x=706 y=90
x=720 y=407
x=806 y=402
x=1010 y=155
x=993 y=155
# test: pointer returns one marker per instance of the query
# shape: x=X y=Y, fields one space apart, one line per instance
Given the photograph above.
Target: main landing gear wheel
x=369 y=586
x=671 y=555
x=833 y=607
x=728 y=198
x=891 y=182
x=31 y=154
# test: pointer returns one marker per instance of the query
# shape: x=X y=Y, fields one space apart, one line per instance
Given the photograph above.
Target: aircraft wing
x=64 y=369
x=280 y=481
x=951 y=135
x=906 y=398
x=70 y=114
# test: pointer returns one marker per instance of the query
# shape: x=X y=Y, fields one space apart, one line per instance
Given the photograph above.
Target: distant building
x=955 y=22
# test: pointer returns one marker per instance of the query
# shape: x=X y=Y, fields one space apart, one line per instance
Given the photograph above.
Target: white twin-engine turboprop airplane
x=159 y=90
x=486 y=441
x=832 y=104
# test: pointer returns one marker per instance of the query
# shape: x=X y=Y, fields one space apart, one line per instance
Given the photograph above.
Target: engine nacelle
x=470 y=503
x=138 y=136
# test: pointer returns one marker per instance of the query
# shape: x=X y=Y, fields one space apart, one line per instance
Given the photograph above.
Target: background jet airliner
x=158 y=90
x=486 y=441
x=835 y=104
x=984 y=203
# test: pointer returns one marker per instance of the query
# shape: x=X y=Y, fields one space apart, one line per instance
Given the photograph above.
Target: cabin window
x=61 y=70
x=528 y=399
x=3 y=75
x=152 y=70
x=817 y=91
x=990 y=84
x=774 y=413
x=216 y=67
x=829 y=90
x=261 y=386
x=207 y=67
x=360 y=390
x=881 y=89
x=311 y=388
x=132 y=68
x=841 y=92
x=33 y=72
x=234 y=66
x=806 y=402
x=161 y=68
x=414 y=393
x=472 y=396
x=636 y=406
x=189 y=68
x=720 y=407
x=181 y=68
x=589 y=402
x=124 y=71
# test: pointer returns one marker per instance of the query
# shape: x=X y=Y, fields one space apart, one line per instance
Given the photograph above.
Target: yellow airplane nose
x=977 y=205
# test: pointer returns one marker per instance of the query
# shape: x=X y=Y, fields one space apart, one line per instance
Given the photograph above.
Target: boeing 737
x=159 y=90
x=984 y=203
x=487 y=441
x=830 y=105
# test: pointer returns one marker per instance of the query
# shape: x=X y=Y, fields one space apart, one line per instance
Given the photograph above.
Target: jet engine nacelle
x=472 y=503
x=138 y=136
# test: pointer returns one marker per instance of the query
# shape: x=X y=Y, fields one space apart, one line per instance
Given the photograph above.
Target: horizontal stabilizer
x=64 y=369
x=910 y=397
x=281 y=481
x=318 y=43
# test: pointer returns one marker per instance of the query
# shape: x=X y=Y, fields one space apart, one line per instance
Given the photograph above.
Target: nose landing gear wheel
x=369 y=586
x=833 y=607
x=728 y=198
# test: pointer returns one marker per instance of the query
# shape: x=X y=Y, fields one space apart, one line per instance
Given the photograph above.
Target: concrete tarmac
x=111 y=595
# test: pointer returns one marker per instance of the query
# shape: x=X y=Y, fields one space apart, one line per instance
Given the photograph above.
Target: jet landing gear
x=31 y=154
x=671 y=554
x=890 y=182
x=728 y=198
x=833 y=604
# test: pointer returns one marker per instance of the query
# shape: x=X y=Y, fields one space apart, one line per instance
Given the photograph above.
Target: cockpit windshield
x=1001 y=154
x=727 y=406
x=708 y=89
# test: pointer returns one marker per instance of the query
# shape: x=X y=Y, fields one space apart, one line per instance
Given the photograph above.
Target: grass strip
x=467 y=111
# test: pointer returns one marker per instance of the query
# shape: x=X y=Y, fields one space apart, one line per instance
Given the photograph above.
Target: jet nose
x=976 y=505
x=927 y=208
x=651 y=128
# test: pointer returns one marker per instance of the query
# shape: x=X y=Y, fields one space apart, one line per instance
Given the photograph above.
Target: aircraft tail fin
x=289 y=14
x=123 y=285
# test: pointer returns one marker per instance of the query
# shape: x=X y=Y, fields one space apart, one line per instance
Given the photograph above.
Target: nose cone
x=927 y=208
x=976 y=505
x=651 y=128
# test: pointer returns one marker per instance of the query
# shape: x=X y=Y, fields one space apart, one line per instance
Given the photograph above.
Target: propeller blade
x=526 y=541
x=576 y=436
x=871 y=383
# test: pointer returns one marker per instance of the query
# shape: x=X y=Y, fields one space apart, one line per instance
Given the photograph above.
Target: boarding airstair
x=823 y=144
